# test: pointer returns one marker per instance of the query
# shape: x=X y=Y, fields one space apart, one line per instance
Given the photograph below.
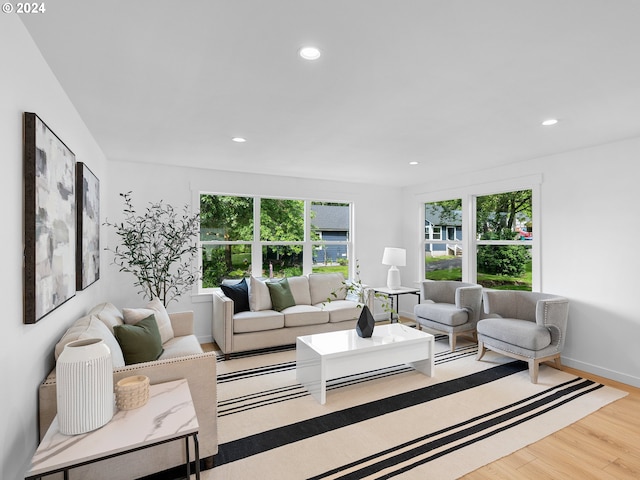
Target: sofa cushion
x=521 y=333
x=280 y=293
x=324 y=285
x=239 y=293
x=445 y=313
x=300 y=290
x=140 y=342
x=341 y=310
x=162 y=318
x=259 y=297
x=300 y=315
x=108 y=314
x=90 y=326
x=245 y=322
x=155 y=308
x=181 y=346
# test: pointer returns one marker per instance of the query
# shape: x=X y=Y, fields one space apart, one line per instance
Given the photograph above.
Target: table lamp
x=396 y=257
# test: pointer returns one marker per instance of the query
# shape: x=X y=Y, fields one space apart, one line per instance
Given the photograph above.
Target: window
x=226 y=236
x=504 y=240
x=282 y=236
x=443 y=256
x=242 y=236
x=497 y=228
x=330 y=227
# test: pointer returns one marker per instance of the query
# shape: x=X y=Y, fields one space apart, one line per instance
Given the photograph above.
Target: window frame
x=469 y=194
x=256 y=244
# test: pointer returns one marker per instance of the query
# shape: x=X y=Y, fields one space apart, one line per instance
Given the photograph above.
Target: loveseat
x=181 y=357
x=245 y=317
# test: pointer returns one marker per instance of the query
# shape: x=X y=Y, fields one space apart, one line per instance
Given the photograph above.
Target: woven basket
x=132 y=392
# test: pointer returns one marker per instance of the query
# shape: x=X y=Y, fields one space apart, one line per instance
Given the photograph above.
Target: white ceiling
x=455 y=85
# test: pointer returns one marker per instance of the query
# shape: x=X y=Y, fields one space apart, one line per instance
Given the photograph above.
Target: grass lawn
x=498 y=282
x=344 y=269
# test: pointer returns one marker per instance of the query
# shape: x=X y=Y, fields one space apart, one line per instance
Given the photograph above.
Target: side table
x=168 y=415
x=396 y=292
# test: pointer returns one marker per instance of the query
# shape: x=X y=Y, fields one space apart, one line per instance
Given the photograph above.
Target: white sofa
x=262 y=327
x=182 y=358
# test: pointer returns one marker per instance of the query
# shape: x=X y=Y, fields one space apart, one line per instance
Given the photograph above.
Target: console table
x=168 y=415
x=396 y=292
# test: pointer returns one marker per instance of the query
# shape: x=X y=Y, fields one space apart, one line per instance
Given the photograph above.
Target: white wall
x=375 y=215
x=588 y=236
x=26 y=357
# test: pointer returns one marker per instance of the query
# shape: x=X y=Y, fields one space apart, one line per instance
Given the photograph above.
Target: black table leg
x=186 y=443
x=196 y=445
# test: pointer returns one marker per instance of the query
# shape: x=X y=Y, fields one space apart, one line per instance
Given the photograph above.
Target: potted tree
x=159 y=247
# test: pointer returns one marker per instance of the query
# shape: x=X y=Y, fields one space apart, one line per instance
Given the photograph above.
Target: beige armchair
x=449 y=306
x=529 y=326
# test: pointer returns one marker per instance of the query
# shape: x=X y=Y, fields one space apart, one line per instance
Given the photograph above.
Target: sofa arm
x=470 y=298
x=222 y=322
x=182 y=323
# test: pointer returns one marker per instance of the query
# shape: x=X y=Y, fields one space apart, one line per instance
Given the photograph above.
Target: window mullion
x=256 y=245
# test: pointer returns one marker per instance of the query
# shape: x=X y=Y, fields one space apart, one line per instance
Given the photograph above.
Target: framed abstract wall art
x=88 y=225
x=49 y=220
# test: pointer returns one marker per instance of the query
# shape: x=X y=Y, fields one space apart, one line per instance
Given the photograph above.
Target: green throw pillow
x=140 y=342
x=281 y=296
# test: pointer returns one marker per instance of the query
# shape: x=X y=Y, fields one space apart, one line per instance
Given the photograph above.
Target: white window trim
x=468 y=194
x=201 y=294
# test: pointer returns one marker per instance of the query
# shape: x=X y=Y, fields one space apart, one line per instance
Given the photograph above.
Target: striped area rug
x=390 y=423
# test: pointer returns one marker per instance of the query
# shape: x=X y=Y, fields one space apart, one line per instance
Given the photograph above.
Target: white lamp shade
x=394 y=256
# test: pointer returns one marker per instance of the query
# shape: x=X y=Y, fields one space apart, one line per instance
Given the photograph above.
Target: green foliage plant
x=159 y=247
x=364 y=294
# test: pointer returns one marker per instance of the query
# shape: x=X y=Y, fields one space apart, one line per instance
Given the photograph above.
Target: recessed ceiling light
x=309 y=53
x=239 y=139
x=413 y=163
x=549 y=122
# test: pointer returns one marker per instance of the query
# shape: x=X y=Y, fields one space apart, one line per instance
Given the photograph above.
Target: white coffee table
x=325 y=356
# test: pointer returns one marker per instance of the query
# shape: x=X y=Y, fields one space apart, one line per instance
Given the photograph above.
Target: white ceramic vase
x=84 y=386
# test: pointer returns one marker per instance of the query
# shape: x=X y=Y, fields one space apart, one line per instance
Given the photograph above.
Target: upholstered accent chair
x=450 y=307
x=529 y=326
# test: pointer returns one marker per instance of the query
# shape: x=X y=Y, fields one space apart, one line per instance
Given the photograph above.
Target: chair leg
x=481 y=350
x=557 y=362
x=452 y=342
x=533 y=370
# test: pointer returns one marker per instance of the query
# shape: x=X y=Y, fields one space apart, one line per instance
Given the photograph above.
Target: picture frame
x=88 y=227
x=49 y=220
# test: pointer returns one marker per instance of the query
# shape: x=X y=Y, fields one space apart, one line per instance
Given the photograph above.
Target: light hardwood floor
x=602 y=446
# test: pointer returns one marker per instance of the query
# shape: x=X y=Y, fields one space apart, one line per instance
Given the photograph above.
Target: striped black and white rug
x=390 y=423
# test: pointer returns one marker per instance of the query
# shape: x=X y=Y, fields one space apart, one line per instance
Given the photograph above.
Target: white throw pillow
x=90 y=326
x=156 y=308
x=259 y=296
x=108 y=314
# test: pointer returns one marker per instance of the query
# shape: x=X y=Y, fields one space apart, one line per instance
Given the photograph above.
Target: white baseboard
x=602 y=372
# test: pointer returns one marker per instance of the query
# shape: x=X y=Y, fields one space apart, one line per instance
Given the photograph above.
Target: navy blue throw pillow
x=239 y=293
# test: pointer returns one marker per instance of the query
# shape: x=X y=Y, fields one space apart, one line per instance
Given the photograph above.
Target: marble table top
x=169 y=414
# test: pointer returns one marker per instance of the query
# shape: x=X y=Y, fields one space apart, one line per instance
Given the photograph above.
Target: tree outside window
x=226 y=233
x=289 y=233
x=504 y=231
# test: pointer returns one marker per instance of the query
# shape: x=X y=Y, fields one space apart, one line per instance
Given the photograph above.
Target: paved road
x=444 y=264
